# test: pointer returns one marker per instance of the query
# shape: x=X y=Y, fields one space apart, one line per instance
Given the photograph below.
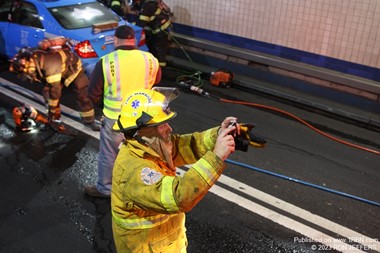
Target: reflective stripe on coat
x=147 y=212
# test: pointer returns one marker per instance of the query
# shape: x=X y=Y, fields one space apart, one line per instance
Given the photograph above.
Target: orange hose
x=303 y=122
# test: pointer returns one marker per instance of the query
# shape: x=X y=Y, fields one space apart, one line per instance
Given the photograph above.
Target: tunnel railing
x=281 y=63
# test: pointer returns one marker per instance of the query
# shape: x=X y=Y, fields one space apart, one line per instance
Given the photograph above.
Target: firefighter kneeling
x=56 y=66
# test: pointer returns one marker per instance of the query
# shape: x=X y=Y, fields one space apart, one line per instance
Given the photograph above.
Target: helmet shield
x=169 y=93
x=146 y=107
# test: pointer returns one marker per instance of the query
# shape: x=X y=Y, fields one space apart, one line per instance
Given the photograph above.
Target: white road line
x=285 y=221
x=315 y=235
x=299 y=212
x=75 y=124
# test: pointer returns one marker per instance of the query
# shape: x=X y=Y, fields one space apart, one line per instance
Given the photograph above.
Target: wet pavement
x=44 y=208
x=42 y=176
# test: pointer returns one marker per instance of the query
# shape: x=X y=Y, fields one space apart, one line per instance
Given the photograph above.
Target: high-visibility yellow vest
x=123 y=71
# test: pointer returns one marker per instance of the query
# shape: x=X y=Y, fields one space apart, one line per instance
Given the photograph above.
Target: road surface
x=303 y=192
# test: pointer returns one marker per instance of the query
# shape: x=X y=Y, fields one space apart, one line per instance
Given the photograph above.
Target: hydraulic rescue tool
x=222 y=78
x=26 y=116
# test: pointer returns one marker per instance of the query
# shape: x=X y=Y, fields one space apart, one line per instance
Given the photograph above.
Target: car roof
x=56 y=3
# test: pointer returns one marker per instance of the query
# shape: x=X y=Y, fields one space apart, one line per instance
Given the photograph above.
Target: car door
x=25 y=28
x=4 y=13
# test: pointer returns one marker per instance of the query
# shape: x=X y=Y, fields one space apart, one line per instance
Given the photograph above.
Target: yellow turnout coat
x=149 y=200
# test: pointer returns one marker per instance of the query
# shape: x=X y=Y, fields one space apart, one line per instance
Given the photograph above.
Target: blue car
x=87 y=24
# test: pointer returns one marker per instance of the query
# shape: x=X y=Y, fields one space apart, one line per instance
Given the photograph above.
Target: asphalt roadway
x=302 y=185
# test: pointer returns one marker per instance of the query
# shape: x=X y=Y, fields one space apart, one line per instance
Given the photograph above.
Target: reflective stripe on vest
x=112 y=87
x=152 y=67
x=167 y=197
x=113 y=91
x=115 y=88
x=206 y=171
x=140 y=223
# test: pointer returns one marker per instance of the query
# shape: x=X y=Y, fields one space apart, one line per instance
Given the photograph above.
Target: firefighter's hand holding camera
x=241 y=134
x=225 y=143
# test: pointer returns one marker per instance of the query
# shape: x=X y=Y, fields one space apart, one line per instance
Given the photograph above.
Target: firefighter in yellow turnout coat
x=148 y=199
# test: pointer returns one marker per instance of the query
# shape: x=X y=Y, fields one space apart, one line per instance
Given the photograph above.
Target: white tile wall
x=345 y=29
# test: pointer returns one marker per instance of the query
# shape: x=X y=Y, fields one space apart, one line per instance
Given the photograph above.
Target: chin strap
x=139 y=138
x=133 y=133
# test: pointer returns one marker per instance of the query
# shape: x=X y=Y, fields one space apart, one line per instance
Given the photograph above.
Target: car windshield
x=83 y=15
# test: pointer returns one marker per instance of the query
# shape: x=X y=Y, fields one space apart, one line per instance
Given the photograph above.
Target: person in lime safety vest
x=149 y=199
x=56 y=66
x=154 y=18
x=114 y=75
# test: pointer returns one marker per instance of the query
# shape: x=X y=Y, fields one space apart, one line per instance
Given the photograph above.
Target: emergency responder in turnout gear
x=155 y=19
x=114 y=75
x=149 y=199
x=56 y=67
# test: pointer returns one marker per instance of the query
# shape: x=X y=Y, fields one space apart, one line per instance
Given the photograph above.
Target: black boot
x=93 y=125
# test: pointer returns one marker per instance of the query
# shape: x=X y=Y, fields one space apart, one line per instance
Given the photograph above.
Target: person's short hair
x=125 y=32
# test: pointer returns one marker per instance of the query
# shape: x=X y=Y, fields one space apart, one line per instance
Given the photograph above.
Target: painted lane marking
x=66 y=120
x=302 y=213
x=285 y=221
x=315 y=235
